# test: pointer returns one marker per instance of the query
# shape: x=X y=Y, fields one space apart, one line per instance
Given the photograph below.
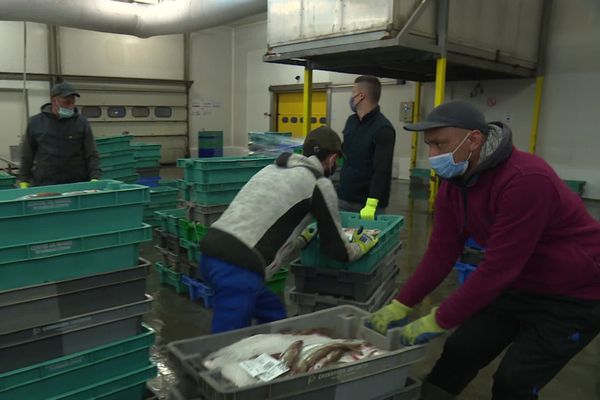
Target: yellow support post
x=537 y=105
x=440 y=85
x=307 y=100
x=414 y=147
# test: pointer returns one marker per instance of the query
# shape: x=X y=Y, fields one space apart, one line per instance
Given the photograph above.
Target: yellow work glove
x=368 y=211
x=365 y=241
x=309 y=233
x=23 y=185
x=393 y=315
x=94 y=180
x=422 y=330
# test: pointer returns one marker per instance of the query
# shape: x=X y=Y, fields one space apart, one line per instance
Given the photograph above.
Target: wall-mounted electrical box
x=406 y=111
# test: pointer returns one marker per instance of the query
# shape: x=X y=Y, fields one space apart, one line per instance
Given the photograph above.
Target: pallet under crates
x=381 y=377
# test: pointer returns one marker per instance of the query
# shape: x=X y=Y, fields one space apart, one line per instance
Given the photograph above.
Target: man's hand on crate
x=393 y=315
x=422 y=330
x=365 y=241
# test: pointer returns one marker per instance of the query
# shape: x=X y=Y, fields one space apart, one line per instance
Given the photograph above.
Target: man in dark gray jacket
x=265 y=226
x=58 y=146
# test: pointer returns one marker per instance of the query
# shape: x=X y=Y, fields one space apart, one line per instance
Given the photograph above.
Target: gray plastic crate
x=344 y=321
x=310 y=302
x=31 y=346
x=204 y=215
x=360 y=389
x=357 y=286
x=44 y=304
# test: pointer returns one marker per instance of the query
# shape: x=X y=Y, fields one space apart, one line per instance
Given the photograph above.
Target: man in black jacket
x=368 y=147
x=58 y=146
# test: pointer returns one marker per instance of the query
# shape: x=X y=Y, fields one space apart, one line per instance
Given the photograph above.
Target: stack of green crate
x=117 y=158
x=147 y=159
x=161 y=198
x=210 y=184
x=72 y=292
x=7 y=181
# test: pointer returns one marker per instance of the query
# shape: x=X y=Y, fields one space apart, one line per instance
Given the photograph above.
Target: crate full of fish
x=298 y=357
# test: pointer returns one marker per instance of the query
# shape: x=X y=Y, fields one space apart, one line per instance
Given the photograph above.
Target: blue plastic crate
x=198 y=290
x=152 y=181
x=464 y=270
x=204 y=153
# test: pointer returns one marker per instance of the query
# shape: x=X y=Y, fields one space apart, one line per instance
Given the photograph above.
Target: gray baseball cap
x=458 y=114
x=63 y=89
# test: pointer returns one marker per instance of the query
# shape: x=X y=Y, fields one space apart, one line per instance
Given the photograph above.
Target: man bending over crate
x=267 y=224
x=537 y=291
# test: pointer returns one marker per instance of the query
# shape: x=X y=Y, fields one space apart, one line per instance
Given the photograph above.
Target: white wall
x=211 y=64
x=12 y=101
x=105 y=54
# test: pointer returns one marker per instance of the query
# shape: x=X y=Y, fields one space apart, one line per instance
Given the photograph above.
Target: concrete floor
x=174 y=317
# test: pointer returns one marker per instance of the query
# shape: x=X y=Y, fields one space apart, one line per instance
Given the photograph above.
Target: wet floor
x=174 y=317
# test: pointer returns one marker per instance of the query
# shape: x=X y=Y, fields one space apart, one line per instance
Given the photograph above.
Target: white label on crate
x=44 y=205
x=264 y=367
x=53 y=247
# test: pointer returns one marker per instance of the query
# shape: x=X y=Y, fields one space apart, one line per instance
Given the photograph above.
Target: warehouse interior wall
x=211 y=69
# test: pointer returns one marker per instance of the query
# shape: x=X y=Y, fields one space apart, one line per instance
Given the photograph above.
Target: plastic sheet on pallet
x=272 y=143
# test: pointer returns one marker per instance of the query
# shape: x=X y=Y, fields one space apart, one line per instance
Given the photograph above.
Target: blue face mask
x=445 y=166
x=65 y=112
x=352 y=105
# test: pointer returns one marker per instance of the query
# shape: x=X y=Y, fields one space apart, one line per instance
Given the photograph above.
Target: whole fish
x=311 y=359
x=290 y=355
x=330 y=358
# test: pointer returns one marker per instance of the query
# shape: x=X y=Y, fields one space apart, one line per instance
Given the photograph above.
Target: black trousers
x=542 y=334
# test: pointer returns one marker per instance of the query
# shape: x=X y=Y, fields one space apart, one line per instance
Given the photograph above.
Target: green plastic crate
x=130 y=179
x=152 y=221
x=389 y=237
x=147 y=163
x=7 y=181
x=163 y=194
x=576 y=186
x=118 y=172
x=129 y=386
x=170 y=220
x=277 y=282
x=222 y=169
x=171 y=278
x=212 y=194
x=191 y=231
x=115 y=207
x=116 y=158
x=146 y=150
x=168 y=182
x=68 y=373
x=70 y=257
x=210 y=139
x=420 y=172
x=193 y=250
x=113 y=143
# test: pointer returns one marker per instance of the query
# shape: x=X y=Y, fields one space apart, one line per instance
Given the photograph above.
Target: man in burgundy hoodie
x=537 y=292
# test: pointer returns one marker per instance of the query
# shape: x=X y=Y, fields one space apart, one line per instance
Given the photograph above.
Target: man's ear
x=476 y=140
